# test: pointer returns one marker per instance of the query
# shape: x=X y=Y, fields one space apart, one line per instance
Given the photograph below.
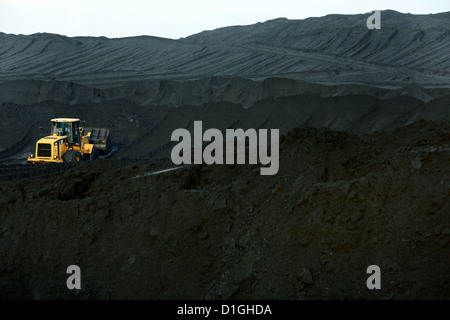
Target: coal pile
x=339 y=203
x=364 y=173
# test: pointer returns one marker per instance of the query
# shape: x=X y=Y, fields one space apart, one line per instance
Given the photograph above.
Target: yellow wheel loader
x=70 y=141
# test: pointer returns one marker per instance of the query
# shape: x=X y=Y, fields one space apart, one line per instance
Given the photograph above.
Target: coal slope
x=339 y=203
x=331 y=49
x=145 y=132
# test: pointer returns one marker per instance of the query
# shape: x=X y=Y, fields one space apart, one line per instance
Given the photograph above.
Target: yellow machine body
x=66 y=134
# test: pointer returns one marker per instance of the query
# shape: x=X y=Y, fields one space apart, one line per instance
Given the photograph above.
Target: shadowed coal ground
x=339 y=203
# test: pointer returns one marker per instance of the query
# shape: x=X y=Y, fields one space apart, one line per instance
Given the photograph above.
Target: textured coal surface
x=364 y=163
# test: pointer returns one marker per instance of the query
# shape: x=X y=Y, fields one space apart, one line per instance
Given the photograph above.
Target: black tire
x=94 y=154
x=72 y=156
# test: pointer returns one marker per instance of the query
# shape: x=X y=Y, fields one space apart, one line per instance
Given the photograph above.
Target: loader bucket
x=100 y=138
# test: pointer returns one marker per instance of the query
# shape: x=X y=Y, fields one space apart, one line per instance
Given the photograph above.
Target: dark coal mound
x=339 y=203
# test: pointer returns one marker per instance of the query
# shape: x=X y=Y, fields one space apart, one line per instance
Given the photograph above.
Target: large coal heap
x=338 y=204
x=363 y=177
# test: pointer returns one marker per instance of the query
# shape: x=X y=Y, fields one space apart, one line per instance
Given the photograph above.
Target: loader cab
x=67 y=127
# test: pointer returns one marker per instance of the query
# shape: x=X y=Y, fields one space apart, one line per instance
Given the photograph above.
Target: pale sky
x=177 y=18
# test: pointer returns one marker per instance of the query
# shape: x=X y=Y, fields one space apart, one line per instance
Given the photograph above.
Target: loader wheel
x=72 y=156
x=94 y=154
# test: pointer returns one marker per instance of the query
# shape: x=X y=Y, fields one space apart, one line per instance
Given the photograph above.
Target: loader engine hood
x=52 y=139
